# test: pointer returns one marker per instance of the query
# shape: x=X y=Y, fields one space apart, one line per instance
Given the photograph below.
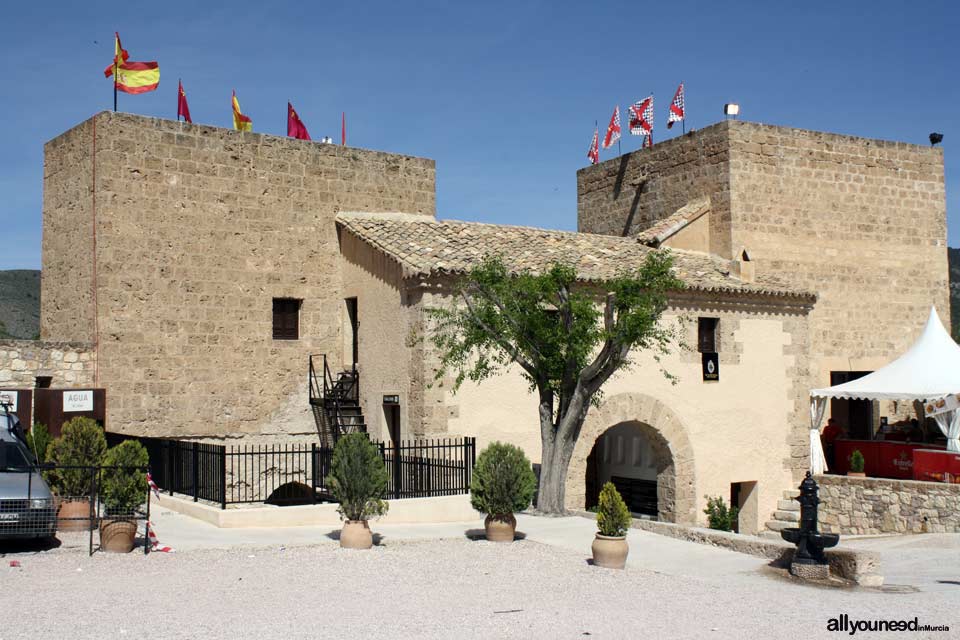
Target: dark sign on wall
x=711 y=366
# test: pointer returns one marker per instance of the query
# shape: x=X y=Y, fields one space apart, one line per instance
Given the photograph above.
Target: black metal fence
x=295 y=473
x=29 y=510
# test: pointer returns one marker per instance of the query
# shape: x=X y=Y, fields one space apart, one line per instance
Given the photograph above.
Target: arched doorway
x=636 y=459
x=665 y=434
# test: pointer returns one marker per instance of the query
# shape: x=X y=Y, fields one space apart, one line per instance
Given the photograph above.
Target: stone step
x=787 y=516
x=790 y=494
x=770 y=535
x=778 y=525
x=788 y=505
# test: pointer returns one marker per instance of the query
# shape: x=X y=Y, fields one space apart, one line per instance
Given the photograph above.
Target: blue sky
x=502 y=95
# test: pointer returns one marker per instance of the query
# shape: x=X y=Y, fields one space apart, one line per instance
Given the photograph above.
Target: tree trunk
x=552 y=480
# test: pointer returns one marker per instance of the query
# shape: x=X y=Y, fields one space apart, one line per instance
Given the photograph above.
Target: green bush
x=124 y=490
x=503 y=481
x=856 y=461
x=38 y=439
x=719 y=515
x=613 y=517
x=358 y=478
x=81 y=443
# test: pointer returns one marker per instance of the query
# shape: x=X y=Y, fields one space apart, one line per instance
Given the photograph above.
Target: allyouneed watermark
x=845 y=624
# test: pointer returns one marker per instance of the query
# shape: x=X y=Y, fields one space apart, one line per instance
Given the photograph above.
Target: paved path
x=647 y=550
x=929 y=562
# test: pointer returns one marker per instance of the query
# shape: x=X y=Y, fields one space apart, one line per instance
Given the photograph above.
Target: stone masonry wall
x=859 y=506
x=67 y=244
x=198 y=229
x=625 y=195
x=71 y=364
x=860 y=222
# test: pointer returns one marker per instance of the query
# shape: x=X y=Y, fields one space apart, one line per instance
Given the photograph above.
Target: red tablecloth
x=882 y=459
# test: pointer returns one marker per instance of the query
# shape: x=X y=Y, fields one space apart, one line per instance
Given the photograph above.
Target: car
x=27 y=508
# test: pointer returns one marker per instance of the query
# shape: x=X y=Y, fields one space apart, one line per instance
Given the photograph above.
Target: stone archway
x=676 y=488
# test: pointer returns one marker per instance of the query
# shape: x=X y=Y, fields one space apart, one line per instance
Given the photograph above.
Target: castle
x=192 y=271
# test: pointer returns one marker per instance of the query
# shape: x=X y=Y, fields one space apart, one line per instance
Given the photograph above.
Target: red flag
x=182 y=108
x=613 y=129
x=343 y=128
x=295 y=127
x=647 y=141
x=677 y=112
x=594 y=153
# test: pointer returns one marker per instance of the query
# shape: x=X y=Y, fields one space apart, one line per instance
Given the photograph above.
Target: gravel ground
x=437 y=589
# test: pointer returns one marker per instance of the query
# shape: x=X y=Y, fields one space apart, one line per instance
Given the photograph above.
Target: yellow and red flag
x=132 y=77
x=240 y=121
x=119 y=57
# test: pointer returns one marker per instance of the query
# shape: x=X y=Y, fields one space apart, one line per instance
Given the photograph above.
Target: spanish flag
x=240 y=121
x=132 y=77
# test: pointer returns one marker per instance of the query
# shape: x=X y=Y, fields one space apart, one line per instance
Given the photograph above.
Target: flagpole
x=115 y=68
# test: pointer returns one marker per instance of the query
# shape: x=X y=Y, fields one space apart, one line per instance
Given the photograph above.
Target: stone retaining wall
x=856 y=506
x=71 y=364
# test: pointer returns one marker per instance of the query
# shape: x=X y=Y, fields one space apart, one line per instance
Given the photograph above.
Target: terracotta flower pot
x=117 y=536
x=73 y=515
x=356 y=535
x=610 y=551
x=500 y=528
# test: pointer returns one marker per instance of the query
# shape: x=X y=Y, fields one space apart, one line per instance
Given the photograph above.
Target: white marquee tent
x=929 y=370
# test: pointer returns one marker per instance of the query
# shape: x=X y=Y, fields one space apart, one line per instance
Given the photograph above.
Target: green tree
x=566 y=336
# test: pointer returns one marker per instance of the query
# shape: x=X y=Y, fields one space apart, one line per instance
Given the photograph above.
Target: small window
x=286 y=319
x=707 y=335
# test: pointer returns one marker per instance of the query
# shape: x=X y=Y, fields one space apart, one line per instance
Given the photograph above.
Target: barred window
x=286 y=319
x=707 y=335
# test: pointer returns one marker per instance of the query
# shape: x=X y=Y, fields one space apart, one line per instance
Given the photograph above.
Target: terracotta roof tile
x=425 y=246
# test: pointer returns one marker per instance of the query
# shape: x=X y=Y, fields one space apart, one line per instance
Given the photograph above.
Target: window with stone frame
x=707 y=331
x=286 y=319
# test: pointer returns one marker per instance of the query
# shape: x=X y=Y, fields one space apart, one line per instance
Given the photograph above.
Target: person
x=916 y=433
x=830 y=434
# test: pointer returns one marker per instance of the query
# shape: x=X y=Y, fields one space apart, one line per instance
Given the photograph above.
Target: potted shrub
x=613 y=519
x=81 y=444
x=503 y=483
x=122 y=490
x=719 y=515
x=358 y=480
x=856 y=464
x=38 y=439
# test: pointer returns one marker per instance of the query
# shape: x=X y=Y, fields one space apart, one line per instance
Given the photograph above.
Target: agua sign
x=77 y=401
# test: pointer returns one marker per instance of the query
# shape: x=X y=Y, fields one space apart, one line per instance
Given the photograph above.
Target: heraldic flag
x=295 y=127
x=613 y=129
x=240 y=121
x=677 y=112
x=183 y=109
x=594 y=153
x=132 y=77
x=641 y=117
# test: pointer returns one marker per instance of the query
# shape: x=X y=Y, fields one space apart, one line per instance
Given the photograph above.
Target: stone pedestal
x=810 y=571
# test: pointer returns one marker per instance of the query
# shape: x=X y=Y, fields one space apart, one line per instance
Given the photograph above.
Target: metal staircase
x=335 y=402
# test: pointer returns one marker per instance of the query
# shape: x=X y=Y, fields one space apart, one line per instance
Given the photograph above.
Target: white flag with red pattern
x=641 y=117
x=594 y=153
x=613 y=129
x=677 y=112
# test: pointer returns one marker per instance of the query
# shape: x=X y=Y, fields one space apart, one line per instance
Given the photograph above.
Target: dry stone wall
x=860 y=506
x=198 y=229
x=70 y=364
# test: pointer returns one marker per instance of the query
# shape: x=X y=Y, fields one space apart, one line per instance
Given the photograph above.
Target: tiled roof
x=425 y=246
x=663 y=229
